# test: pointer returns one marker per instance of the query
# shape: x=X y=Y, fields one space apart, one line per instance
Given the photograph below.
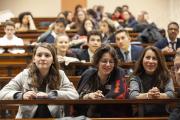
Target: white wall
x=174 y=10
x=39 y=8
x=161 y=11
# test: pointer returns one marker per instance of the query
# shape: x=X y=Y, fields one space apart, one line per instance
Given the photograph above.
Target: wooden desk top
x=104 y=101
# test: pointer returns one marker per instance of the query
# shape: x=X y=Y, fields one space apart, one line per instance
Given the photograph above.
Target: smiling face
x=150 y=62
x=106 y=64
x=43 y=59
x=62 y=43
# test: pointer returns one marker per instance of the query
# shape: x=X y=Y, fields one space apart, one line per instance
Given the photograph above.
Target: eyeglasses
x=111 y=62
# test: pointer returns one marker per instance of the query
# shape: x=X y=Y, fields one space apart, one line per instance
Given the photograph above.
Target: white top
x=4 y=41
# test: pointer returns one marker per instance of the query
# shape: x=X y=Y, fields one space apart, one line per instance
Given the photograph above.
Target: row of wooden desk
x=32 y=35
x=5 y=103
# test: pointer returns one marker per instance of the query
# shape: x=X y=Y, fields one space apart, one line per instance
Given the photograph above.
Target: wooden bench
x=39 y=20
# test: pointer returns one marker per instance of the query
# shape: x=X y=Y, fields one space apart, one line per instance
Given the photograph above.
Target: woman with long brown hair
x=151 y=80
x=41 y=80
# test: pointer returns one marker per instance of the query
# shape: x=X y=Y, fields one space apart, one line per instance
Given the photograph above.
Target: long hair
x=53 y=76
x=21 y=16
x=161 y=74
x=83 y=30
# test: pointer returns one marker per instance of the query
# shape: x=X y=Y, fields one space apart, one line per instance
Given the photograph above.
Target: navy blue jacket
x=163 y=43
x=135 y=53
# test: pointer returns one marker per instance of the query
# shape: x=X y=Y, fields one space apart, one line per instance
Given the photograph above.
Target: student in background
x=151 y=80
x=64 y=53
x=107 y=29
x=126 y=51
x=58 y=28
x=94 y=41
x=26 y=22
x=105 y=81
x=172 y=42
x=41 y=80
x=175 y=115
x=81 y=37
x=11 y=39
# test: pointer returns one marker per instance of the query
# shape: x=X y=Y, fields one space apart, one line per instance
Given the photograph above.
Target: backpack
x=150 y=35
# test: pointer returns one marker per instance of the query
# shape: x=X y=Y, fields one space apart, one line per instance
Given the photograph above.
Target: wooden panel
x=70 y=4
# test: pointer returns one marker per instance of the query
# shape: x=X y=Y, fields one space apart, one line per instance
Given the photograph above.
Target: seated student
x=151 y=80
x=26 y=22
x=107 y=28
x=126 y=51
x=172 y=42
x=94 y=41
x=64 y=54
x=129 y=20
x=175 y=115
x=81 y=37
x=105 y=81
x=41 y=80
x=57 y=29
x=143 y=21
x=10 y=39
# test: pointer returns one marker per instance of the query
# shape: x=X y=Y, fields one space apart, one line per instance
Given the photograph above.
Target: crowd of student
x=43 y=78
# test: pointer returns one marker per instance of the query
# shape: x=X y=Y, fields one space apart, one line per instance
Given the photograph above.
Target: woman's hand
x=41 y=95
x=95 y=95
x=154 y=93
x=29 y=95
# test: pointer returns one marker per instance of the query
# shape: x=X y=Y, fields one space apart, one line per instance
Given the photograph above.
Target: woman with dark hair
x=87 y=26
x=81 y=37
x=26 y=22
x=151 y=80
x=105 y=81
x=42 y=80
x=107 y=28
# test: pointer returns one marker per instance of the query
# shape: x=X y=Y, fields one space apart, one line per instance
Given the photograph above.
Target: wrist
x=147 y=96
x=86 y=96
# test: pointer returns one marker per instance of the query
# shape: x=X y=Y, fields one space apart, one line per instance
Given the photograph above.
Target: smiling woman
x=151 y=80
x=105 y=81
x=42 y=80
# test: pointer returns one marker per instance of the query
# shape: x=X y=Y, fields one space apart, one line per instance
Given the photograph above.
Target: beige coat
x=22 y=83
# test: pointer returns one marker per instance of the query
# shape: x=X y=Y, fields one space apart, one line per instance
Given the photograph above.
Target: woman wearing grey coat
x=151 y=80
x=41 y=80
